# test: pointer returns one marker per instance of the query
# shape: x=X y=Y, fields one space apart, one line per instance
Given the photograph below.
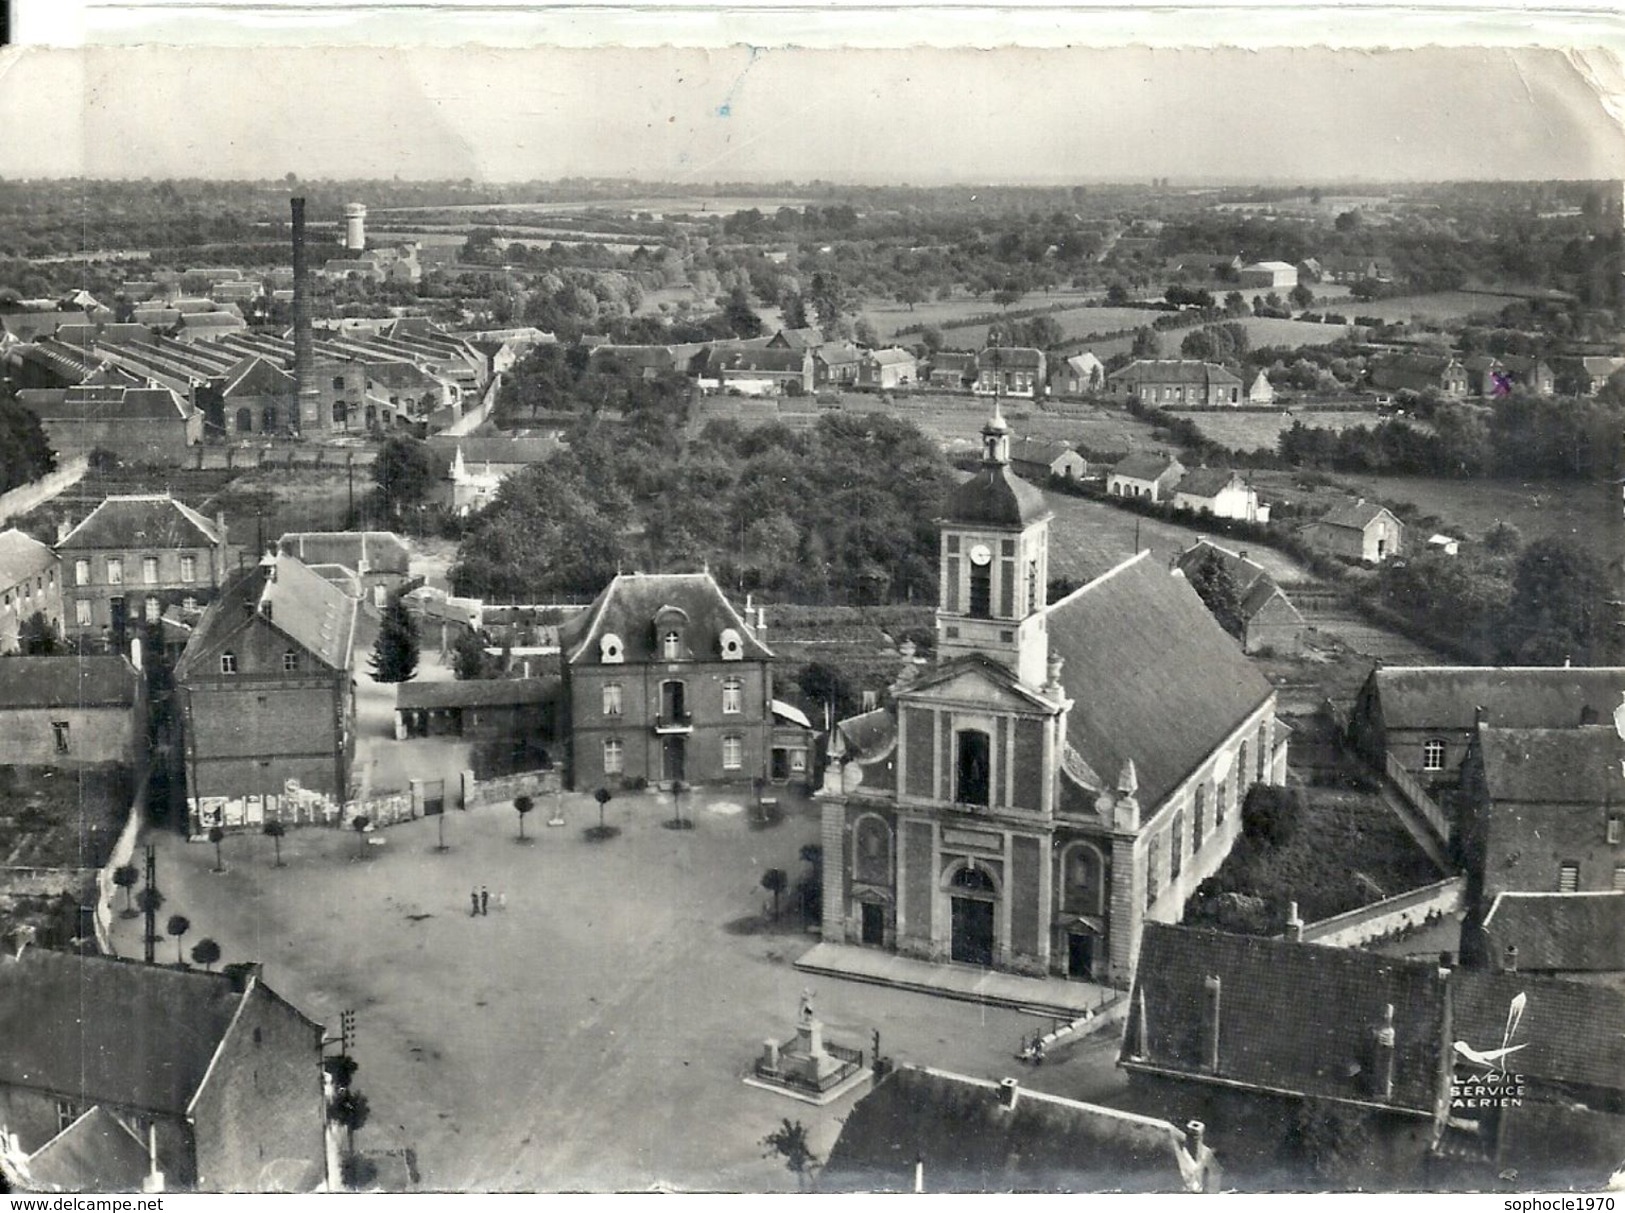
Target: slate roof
x=993 y=495
x=1544 y=766
x=1174 y=370
x=1574 y=1033
x=476 y=693
x=1354 y=515
x=255 y=376
x=368 y=551
x=952 y=362
x=1154 y=677
x=628 y=606
x=1038 y=450
x=1444 y=697
x=892 y=356
x=764 y=359
x=96 y=1153
x=967 y=1141
x=1010 y=358
x=799 y=339
x=1253 y=584
x=141 y=521
x=68 y=682
x=21 y=557
x=495 y=448
x=1569 y=932
x=1144 y=465
x=312 y=610
x=1205 y=482
x=109 y=1031
x=1293 y=1017
x=102 y=402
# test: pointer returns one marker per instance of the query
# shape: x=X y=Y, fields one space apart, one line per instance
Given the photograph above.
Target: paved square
x=591 y=1032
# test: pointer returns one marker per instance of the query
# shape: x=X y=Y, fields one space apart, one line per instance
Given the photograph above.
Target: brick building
x=215 y=1073
x=266 y=696
x=1064 y=773
x=664 y=680
x=1360 y=530
x=72 y=711
x=142 y=424
x=1268 y=618
x=1423 y=717
x=132 y=558
x=28 y=586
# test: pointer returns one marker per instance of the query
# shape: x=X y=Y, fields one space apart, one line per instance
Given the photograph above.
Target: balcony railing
x=674 y=722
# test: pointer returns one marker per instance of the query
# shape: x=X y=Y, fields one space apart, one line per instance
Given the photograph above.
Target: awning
x=790 y=713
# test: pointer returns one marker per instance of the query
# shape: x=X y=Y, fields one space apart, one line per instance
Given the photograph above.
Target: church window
x=1198 y=819
x=872 y=851
x=1034 y=602
x=1082 y=887
x=1007 y=589
x=1176 y=846
x=971 y=767
x=950 y=586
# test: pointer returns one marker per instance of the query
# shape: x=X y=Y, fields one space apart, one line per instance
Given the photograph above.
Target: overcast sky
x=921 y=116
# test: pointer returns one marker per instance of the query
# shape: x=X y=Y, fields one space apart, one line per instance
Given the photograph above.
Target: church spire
x=996 y=437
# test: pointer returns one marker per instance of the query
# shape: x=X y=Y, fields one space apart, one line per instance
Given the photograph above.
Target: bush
x=1270 y=815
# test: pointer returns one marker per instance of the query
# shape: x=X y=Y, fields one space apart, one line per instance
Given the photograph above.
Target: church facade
x=1064 y=773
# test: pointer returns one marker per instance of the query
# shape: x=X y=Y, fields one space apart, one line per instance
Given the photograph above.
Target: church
x=1063 y=774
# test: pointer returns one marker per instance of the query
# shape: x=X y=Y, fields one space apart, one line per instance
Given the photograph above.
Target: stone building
x=1066 y=772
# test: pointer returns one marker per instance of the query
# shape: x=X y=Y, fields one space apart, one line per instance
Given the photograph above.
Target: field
x=888 y=316
x=1076 y=323
x=612 y=206
x=1249 y=431
x=1586 y=512
x=268 y=503
x=955 y=421
x=1447 y=305
x=1267 y=330
x=61 y=819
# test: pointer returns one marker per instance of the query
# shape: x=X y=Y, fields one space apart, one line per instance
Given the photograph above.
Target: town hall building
x=1064 y=773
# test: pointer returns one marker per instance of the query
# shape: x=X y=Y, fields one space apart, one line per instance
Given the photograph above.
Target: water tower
x=355 y=226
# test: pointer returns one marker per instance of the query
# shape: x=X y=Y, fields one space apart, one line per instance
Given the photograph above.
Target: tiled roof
x=1293 y=1017
x=495 y=448
x=363 y=551
x=628 y=606
x=68 y=682
x=22 y=556
x=1567 y=932
x=1355 y=515
x=254 y=376
x=96 y=1153
x=111 y=1031
x=891 y=357
x=476 y=693
x=1444 y=697
x=1573 y=1033
x=800 y=339
x=1175 y=370
x=1205 y=482
x=1254 y=586
x=765 y=360
x=1154 y=677
x=144 y=521
x=1144 y=465
x=959 y=1131
x=1038 y=450
x=109 y=402
x=952 y=361
x=1535 y=766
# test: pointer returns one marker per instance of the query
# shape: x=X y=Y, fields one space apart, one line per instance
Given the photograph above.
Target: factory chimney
x=304 y=382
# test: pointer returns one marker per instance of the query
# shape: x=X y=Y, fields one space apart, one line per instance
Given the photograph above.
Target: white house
x=1221 y=493
x=1078 y=374
x=1262 y=391
x=1270 y=275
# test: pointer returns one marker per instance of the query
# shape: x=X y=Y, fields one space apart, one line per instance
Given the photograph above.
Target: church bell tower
x=994 y=564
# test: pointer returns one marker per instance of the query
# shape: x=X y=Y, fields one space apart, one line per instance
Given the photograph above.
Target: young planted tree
x=359 y=825
x=775 y=881
x=149 y=901
x=678 y=821
x=178 y=925
x=218 y=836
x=395 y=652
x=125 y=877
x=274 y=830
x=38 y=637
x=206 y=952
x=522 y=805
x=349 y=1110
x=404 y=472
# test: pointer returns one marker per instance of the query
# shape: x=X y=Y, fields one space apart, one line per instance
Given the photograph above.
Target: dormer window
x=610 y=649
x=733 y=645
x=671 y=644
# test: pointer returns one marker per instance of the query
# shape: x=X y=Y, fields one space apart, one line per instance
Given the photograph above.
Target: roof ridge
x=1089 y=585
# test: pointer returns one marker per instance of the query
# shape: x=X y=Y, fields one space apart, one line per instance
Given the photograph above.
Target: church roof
x=1153 y=677
x=996 y=496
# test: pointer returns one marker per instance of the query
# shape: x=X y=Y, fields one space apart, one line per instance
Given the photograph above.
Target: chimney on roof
x=243 y=974
x=1294 y=924
x=153 y=1181
x=1382 y=1070
x=1509 y=962
x=1009 y=1093
x=1195 y=1131
x=64 y=525
x=1211 y=991
x=303 y=342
